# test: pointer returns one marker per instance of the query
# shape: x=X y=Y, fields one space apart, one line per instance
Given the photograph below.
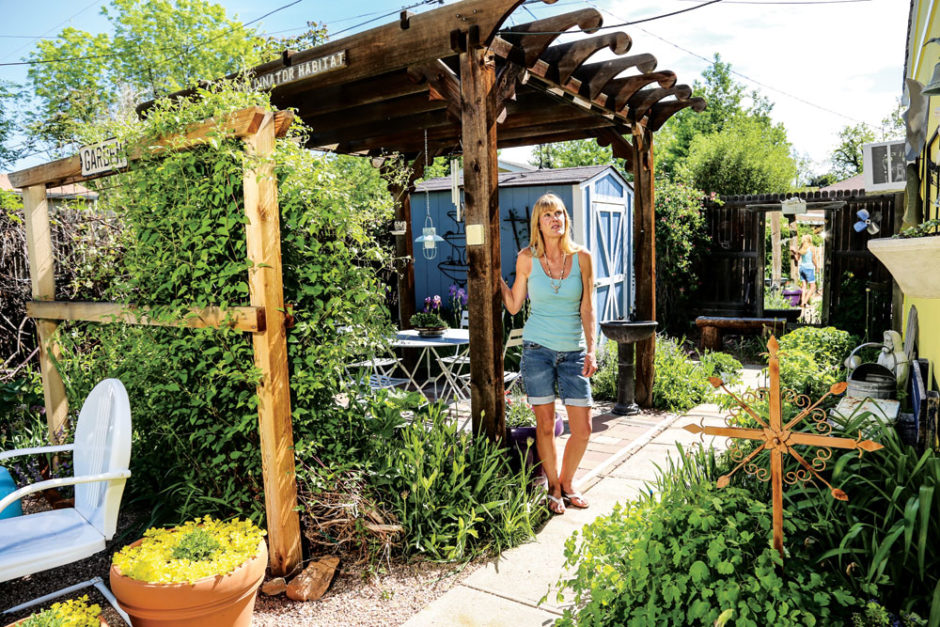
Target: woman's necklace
x=556 y=285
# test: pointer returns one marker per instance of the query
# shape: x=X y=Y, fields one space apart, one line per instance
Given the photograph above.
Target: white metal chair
x=379 y=369
x=456 y=363
x=514 y=342
x=101 y=456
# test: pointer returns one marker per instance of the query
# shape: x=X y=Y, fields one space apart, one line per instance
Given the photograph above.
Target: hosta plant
x=196 y=549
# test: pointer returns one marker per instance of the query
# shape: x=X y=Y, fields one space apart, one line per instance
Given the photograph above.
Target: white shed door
x=609 y=235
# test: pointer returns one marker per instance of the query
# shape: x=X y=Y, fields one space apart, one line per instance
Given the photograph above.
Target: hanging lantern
x=429 y=239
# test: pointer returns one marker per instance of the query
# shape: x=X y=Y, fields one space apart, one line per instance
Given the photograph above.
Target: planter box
x=912 y=262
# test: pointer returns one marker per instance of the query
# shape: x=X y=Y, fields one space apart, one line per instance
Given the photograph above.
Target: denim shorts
x=544 y=370
x=808 y=274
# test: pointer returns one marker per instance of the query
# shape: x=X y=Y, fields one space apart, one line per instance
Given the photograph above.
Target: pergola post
x=266 y=289
x=478 y=124
x=644 y=255
x=42 y=275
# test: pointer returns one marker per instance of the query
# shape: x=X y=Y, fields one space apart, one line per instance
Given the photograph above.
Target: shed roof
x=556 y=176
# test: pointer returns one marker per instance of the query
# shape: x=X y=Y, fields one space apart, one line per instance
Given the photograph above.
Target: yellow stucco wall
x=925 y=24
x=928 y=316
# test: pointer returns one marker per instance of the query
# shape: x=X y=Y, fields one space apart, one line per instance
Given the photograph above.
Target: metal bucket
x=872 y=381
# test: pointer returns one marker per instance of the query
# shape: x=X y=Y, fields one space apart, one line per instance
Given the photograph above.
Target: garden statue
x=894 y=358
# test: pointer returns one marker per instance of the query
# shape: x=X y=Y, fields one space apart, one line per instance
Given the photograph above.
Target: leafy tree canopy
x=157 y=47
x=741 y=158
x=727 y=100
x=571 y=154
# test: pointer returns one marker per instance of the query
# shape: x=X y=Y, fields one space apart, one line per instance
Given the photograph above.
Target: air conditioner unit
x=884 y=166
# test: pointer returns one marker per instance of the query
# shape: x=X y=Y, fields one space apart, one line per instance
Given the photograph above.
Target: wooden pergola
x=462 y=81
x=455 y=80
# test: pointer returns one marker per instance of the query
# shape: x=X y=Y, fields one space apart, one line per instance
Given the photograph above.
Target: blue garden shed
x=598 y=198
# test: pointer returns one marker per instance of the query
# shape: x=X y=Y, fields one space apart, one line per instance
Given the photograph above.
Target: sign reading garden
x=102 y=157
x=301 y=71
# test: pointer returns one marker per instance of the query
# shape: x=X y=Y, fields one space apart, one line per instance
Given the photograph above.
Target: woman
x=558 y=340
x=809 y=262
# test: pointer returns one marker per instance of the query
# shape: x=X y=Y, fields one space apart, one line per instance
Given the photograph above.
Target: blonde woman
x=558 y=341
x=809 y=263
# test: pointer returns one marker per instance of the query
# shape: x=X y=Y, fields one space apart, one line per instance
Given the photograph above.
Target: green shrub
x=697 y=555
x=811 y=359
x=454 y=494
x=192 y=391
x=604 y=381
x=679 y=384
x=721 y=365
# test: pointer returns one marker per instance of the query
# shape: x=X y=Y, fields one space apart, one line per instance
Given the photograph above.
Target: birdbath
x=625 y=333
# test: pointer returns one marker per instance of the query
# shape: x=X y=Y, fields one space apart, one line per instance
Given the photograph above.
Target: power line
x=66 y=21
x=384 y=15
x=744 y=76
x=647 y=19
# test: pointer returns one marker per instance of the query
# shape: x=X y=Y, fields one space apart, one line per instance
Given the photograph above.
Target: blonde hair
x=545 y=204
x=806 y=242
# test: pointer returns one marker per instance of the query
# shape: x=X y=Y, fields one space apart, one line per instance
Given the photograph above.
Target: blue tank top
x=555 y=319
x=807 y=259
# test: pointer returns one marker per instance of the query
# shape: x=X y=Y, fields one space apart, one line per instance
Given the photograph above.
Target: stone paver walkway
x=624 y=453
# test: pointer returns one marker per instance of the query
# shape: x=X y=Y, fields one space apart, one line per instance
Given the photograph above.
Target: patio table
x=429 y=349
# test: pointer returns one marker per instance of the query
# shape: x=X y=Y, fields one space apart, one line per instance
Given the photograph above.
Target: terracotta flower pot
x=218 y=601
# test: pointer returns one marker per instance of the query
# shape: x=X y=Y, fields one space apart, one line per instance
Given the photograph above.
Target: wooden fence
x=856 y=286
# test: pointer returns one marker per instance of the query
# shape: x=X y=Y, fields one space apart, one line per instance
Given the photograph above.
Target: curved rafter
x=544 y=32
x=620 y=90
x=662 y=111
x=641 y=101
x=567 y=57
x=595 y=76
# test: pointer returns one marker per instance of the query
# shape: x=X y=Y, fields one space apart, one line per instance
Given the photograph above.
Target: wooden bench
x=713 y=327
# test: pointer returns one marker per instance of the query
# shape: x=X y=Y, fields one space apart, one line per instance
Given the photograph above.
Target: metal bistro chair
x=101 y=455
x=510 y=378
x=456 y=363
x=380 y=369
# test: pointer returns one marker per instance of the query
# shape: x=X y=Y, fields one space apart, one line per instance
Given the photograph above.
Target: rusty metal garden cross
x=779 y=439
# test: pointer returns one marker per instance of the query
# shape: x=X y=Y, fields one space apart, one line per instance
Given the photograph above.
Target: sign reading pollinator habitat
x=102 y=157
x=300 y=71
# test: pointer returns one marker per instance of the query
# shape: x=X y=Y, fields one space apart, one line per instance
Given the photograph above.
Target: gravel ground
x=359 y=599
x=388 y=595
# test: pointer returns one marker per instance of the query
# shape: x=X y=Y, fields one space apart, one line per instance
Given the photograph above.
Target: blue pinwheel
x=866 y=223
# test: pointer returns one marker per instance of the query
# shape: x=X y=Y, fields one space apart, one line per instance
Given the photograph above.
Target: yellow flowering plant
x=71 y=613
x=199 y=548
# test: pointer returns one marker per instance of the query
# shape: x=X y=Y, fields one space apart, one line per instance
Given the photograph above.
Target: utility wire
x=744 y=76
x=647 y=19
x=384 y=15
x=66 y=21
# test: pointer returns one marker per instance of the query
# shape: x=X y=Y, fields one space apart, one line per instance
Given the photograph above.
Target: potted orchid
x=203 y=572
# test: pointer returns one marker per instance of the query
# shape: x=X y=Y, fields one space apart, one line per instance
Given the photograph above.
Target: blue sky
x=824 y=64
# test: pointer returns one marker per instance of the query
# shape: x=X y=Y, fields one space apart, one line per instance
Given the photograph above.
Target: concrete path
x=507 y=591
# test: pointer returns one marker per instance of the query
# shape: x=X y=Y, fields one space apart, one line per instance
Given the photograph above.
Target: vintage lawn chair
x=101 y=456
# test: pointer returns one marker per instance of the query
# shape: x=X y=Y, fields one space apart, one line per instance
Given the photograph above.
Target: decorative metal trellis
x=780 y=439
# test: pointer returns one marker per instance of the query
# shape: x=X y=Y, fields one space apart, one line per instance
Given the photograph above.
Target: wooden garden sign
x=780 y=439
x=264 y=318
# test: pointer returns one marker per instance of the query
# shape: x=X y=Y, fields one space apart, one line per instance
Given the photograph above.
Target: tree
x=742 y=158
x=847 y=157
x=9 y=99
x=571 y=154
x=725 y=100
x=158 y=46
